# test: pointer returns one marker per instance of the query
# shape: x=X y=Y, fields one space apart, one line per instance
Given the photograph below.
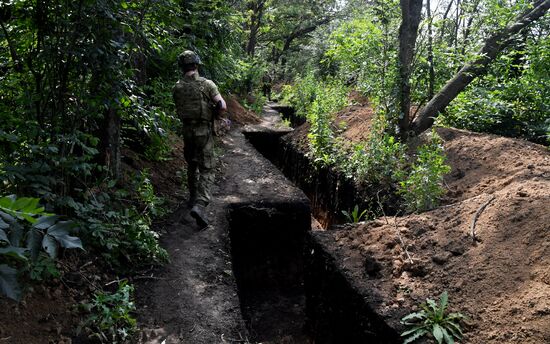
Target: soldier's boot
x=192 y=200
x=198 y=212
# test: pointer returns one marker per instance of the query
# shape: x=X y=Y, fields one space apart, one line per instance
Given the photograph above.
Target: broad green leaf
x=49 y=244
x=437 y=333
x=417 y=315
x=455 y=329
x=446 y=337
x=3 y=224
x=22 y=203
x=15 y=252
x=31 y=207
x=443 y=301
x=413 y=330
x=27 y=217
x=34 y=241
x=45 y=222
x=60 y=231
x=415 y=336
x=4 y=236
x=16 y=233
x=6 y=202
x=7 y=217
x=8 y=282
x=431 y=303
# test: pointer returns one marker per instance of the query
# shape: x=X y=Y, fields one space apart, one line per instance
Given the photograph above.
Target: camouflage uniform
x=266 y=86
x=198 y=139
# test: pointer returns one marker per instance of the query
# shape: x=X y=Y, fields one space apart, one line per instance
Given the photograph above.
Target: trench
x=267 y=250
x=328 y=190
x=290 y=288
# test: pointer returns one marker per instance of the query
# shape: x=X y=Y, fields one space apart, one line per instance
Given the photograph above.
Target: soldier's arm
x=219 y=102
x=221 y=106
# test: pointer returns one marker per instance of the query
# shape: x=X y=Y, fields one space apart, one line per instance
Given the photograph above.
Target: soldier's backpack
x=191 y=100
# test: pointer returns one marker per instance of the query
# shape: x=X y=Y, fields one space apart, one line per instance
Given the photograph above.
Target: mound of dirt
x=238 y=114
x=502 y=280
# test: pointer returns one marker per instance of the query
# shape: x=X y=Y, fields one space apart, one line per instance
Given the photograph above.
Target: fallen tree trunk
x=493 y=45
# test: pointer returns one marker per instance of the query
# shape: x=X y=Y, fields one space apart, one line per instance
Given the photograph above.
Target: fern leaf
x=415 y=336
x=416 y=315
x=437 y=333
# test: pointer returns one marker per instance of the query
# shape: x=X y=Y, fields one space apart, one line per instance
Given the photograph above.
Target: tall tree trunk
x=442 y=30
x=408 y=31
x=13 y=52
x=431 y=77
x=257 y=9
x=493 y=45
x=110 y=141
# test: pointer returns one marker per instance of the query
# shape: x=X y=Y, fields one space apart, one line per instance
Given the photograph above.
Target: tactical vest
x=192 y=102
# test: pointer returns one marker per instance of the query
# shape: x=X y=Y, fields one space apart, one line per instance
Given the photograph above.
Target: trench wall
x=336 y=311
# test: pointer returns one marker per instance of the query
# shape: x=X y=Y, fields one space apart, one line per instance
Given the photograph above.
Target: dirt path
x=194 y=299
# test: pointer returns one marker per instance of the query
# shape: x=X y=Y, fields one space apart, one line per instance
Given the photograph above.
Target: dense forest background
x=82 y=80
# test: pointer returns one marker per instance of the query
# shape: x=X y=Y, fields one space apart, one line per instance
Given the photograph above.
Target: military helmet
x=189 y=57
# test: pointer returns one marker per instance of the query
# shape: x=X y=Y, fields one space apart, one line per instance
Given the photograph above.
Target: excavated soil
x=501 y=281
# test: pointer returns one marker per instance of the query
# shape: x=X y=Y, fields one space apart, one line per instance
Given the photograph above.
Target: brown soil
x=49 y=313
x=502 y=281
x=43 y=316
x=238 y=114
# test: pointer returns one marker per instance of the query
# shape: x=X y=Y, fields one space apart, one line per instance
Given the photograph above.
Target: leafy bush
x=379 y=159
x=421 y=187
x=110 y=319
x=258 y=103
x=302 y=95
x=512 y=100
x=123 y=234
x=27 y=234
x=433 y=320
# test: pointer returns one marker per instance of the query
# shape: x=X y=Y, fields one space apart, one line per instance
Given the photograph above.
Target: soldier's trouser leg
x=192 y=180
x=206 y=169
x=198 y=152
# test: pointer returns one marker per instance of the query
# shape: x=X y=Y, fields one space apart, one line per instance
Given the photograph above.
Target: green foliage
x=44 y=268
x=146 y=196
x=355 y=216
x=433 y=320
x=302 y=94
x=379 y=159
x=118 y=225
x=318 y=101
x=27 y=234
x=110 y=319
x=362 y=47
x=421 y=187
x=258 y=103
x=512 y=100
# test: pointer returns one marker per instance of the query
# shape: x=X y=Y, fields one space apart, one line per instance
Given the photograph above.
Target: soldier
x=198 y=103
x=266 y=85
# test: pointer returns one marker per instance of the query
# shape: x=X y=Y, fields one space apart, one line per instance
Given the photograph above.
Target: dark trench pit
x=267 y=242
x=291 y=289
